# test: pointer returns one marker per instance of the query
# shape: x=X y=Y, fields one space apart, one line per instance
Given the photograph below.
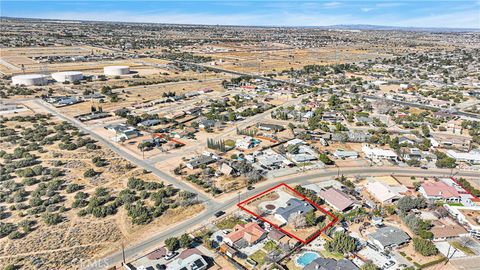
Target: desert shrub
x=52 y=218
x=90 y=173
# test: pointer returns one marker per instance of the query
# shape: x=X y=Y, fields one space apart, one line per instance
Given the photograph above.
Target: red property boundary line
x=304 y=241
x=466 y=190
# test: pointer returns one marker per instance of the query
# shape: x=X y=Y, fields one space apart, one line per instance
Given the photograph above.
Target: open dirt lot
x=247 y=60
x=77 y=237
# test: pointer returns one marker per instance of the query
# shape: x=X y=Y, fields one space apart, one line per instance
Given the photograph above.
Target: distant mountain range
x=334 y=27
x=384 y=27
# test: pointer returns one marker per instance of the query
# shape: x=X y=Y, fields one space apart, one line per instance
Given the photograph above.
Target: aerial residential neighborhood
x=269 y=135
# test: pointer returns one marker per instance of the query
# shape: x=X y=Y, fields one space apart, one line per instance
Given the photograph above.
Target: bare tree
x=465 y=241
x=297 y=220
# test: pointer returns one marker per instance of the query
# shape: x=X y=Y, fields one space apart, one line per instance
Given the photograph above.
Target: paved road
x=141 y=163
x=212 y=206
x=226 y=133
x=138 y=249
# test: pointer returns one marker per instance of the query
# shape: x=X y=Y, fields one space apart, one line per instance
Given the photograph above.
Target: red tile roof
x=440 y=189
x=250 y=232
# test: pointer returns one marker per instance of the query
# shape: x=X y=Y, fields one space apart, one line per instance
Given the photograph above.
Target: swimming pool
x=306 y=258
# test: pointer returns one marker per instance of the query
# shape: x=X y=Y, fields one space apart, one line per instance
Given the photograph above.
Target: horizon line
x=425 y=28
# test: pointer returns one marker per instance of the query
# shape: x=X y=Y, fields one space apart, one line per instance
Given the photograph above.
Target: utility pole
x=123 y=253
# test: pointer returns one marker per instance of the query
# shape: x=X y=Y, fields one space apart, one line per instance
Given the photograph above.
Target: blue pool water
x=306 y=258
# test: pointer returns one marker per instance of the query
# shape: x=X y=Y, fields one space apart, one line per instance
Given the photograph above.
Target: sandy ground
x=247 y=60
x=84 y=237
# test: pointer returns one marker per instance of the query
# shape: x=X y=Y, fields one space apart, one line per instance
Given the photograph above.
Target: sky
x=427 y=13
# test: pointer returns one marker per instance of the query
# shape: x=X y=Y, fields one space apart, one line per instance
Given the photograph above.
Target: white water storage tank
x=116 y=70
x=30 y=79
x=67 y=76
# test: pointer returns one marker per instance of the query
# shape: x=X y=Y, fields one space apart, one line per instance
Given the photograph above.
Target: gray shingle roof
x=294 y=205
x=390 y=236
x=330 y=264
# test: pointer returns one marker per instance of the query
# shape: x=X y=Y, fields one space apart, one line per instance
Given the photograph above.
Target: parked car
x=219 y=214
x=389 y=264
x=170 y=255
x=160 y=266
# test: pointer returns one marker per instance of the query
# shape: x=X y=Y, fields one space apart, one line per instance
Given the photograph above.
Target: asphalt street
x=207 y=216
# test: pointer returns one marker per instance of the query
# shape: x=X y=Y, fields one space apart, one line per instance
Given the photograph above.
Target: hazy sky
x=457 y=14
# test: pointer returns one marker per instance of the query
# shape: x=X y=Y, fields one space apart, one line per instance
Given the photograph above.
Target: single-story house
x=341 y=154
x=378 y=153
x=382 y=192
x=245 y=235
x=192 y=262
x=472 y=157
x=199 y=161
x=270 y=127
x=439 y=191
x=337 y=199
x=294 y=205
x=388 y=237
x=149 y=123
x=445 y=230
x=330 y=264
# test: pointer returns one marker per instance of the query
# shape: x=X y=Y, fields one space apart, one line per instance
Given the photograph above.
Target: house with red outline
x=242 y=204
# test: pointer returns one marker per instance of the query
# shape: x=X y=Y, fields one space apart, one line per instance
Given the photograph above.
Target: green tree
x=425 y=131
x=424 y=247
x=185 y=241
x=311 y=218
x=369 y=266
x=172 y=243
x=325 y=159
x=10 y=267
x=444 y=161
x=341 y=243
x=408 y=203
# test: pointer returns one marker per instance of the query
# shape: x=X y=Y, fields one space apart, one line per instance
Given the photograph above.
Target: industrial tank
x=68 y=76
x=116 y=70
x=30 y=79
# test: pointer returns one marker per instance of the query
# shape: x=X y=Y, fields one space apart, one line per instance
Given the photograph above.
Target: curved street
x=138 y=249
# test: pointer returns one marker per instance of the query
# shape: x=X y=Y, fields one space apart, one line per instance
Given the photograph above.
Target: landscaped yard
x=229 y=223
x=333 y=255
x=270 y=246
x=463 y=249
x=410 y=254
x=455 y=204
x=292 y=266
x=259 y=257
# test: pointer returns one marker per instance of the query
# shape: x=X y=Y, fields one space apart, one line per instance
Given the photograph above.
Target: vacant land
x=66 y=198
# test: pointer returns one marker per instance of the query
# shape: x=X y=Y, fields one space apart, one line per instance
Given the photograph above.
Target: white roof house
x=270 y=158
x=470 y=157
x=192 y=262
x=301 y=157
x=345 y=154
x=378 y=153
x=244 y=143
x=382 y=192
x=295 y=142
